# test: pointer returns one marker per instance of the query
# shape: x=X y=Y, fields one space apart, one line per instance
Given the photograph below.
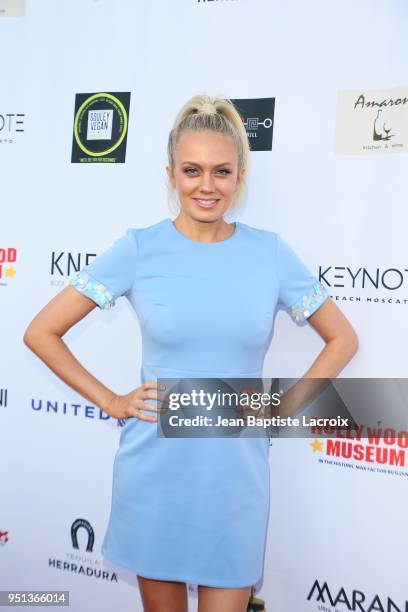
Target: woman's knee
x=162 y=595
x=212 y=599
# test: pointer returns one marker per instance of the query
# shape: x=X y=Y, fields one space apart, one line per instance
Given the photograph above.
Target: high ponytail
x=216 y=114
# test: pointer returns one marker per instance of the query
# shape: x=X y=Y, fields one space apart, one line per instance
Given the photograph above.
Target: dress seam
x=156 y=365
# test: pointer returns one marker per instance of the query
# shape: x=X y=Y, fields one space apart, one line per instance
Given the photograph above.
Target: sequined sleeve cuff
x=93 y=289
x=309 y=303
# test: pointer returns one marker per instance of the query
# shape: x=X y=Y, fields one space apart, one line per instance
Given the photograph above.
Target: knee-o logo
x=100 y=127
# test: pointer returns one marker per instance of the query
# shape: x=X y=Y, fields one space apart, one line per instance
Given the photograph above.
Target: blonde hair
x=216 y=114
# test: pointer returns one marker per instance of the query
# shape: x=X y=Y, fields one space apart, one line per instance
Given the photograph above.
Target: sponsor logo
x=362 y=278
x=65 y=263
x=82 y=524
x=258 y=117
x=371 y=285
x=370 y=122
x=370 y=443
x=11 y=124
x=12 y=8
x=369 y=449
x=3 y=397
x=100 y=127
x=8 y=258
x=73 y=410
x=343 y=599
x=77 y=563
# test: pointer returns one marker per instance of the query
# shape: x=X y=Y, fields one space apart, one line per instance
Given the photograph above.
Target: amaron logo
x=10 y=125
x=382 y=446
x=8 y=257
x=78 y=563
x=370 y=122
x=3 y=537
x=354 y=600
x=381 y=124
x=258 y=117
x=12 y=8
x=100 y=127
x=75 y=410
x=381 y=131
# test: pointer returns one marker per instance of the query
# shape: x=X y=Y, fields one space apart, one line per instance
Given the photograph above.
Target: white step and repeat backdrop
x=323 y=90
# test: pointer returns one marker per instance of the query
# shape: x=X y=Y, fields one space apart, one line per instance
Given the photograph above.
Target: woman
x=192 y=510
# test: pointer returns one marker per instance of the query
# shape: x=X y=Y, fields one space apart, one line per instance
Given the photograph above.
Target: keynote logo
x=11 y=124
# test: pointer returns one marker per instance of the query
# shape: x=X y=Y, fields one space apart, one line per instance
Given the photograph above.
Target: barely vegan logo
x=258 y=118
x=352 y=600
x=100 y=127
x=372 y=121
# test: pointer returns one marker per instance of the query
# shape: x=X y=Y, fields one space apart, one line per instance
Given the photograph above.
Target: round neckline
x=205 y=244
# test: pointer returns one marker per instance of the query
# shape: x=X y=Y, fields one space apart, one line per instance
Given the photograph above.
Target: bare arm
x=341 y=344
x=44 y=337
x=341 y=341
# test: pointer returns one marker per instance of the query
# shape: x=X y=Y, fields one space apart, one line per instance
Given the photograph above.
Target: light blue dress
x=195 y=509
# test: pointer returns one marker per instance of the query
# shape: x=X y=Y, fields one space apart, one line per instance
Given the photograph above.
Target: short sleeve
x=299 y=290
x=110 y=274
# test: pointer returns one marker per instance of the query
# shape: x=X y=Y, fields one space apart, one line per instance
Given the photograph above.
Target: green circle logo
x=101 y=118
